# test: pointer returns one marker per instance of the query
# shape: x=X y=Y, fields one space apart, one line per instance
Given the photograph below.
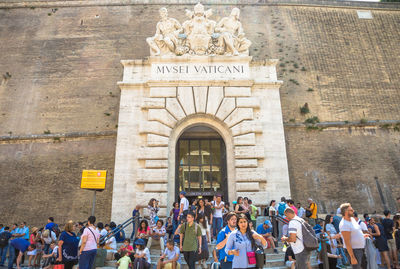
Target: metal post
x=94 y=202
x=324 y=253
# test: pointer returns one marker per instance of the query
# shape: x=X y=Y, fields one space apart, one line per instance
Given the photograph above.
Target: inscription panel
x=199 y=71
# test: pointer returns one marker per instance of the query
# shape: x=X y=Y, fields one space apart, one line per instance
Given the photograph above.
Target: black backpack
x=3 y=239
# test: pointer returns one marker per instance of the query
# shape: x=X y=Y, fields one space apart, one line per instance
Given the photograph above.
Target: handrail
x=121 y=227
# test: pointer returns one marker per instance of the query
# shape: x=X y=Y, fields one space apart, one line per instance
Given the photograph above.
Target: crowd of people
x=339 y=239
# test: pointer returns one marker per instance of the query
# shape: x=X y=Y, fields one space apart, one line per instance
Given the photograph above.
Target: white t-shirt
x=103 y=232
x=295 y=226
x=185 y=203
x=204 y=230
x=218 y=212
x=363 y=225
x=112 y=243
x=357 y=237
x=146 y=252
x=51 y=238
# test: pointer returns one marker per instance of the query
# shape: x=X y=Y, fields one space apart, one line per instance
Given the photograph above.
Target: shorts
x=391 y=244
x=169 y=266
x=31 y=253
x=289 y=263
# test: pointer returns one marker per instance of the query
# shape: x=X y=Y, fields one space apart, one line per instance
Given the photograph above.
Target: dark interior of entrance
x=201 y=164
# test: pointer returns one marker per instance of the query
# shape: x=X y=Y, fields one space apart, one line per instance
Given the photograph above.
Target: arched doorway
x=201 y=169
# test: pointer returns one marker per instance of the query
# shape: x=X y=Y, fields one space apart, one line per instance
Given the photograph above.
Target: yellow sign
x=94 y=179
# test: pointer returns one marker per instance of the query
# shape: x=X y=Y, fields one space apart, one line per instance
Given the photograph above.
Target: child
x=125 y=261
x=51 y=258
x=125 y=247
x=142 y=256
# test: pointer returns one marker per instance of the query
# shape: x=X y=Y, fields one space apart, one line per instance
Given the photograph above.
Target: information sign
x=94 y=179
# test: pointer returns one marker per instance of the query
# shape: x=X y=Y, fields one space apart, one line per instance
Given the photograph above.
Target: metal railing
x=121 y=227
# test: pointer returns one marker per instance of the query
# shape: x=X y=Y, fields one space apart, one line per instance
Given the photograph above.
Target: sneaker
x=275 y=251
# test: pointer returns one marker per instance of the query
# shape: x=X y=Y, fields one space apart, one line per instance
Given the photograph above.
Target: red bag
x=251 y=257
x=58 y=266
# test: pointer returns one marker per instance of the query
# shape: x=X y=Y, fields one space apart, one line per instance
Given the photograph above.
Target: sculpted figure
x=232 y=35
x=198 y=29
x=165 y=40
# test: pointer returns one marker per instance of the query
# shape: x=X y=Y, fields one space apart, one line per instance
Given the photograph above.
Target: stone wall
x=337 y=165
x=59 y=67
x=41 y=178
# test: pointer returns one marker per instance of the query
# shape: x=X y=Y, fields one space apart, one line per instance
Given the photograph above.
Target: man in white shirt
x=183 y=207
x=353 y=237
x=362 y=224
x=217 y=205
x=295 y=239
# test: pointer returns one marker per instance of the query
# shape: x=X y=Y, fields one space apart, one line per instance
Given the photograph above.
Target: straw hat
x=35 y=229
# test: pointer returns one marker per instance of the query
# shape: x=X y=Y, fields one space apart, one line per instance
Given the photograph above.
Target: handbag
x=251 y=257
x=308 y=213
x=58 y=266
x=260 y=257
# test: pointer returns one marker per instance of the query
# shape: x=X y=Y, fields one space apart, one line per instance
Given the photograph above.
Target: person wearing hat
x=183 y=207
x=142 y=255
x=265 y=229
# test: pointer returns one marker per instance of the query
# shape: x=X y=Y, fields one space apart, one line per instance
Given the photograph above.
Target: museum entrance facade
x=213 y=128
x=201 y=169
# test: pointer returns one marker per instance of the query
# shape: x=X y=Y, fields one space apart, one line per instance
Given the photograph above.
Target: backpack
x=281 y=208
x=3 y=239
x=310 y=240
x=56 y=230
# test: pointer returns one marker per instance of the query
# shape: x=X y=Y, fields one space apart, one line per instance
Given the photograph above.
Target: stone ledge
x=306 y=3
x=153 y=103
x=156 y=187
x=245 y=140
x=156 y=140
x=163 y=92
x=237 y=91
x=239 y=115
x=246 y=127
x=162 y=116
x=154 y=127
x=251 y=174
x=152 y=153
x=246 y=163
x=248 y=186
x=156 y=164
x=249 y=152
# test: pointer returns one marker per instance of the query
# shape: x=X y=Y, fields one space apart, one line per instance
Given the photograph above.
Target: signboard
x=200 y=71
x=94 y=179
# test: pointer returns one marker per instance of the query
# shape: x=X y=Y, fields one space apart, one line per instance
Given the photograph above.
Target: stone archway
x=224 y=132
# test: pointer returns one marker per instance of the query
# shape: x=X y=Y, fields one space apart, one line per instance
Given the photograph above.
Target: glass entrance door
x=201 y=167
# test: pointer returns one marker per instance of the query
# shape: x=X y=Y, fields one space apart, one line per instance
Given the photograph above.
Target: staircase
x=273 y=261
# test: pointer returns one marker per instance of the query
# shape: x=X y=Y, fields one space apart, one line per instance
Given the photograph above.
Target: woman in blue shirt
x=241 y=241
x=68 y=246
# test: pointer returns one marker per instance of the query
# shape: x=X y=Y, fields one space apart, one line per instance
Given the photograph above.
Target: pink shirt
x=295 y=209
x=91 y=242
